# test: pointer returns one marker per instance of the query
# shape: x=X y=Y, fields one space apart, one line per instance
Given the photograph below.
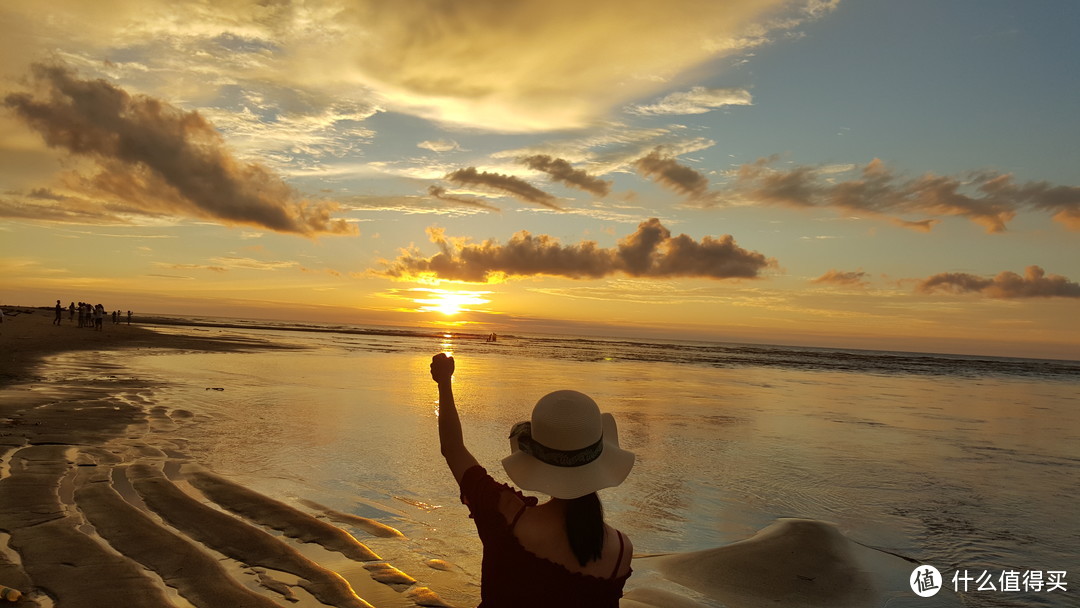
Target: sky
x=860 y=174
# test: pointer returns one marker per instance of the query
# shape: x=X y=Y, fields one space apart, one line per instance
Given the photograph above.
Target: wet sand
x=27 y=335
x=100 y=506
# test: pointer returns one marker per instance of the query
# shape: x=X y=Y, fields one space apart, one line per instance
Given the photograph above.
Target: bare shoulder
x=627 y=546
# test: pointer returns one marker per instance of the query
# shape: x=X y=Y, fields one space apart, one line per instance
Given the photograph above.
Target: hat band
x=558 y=458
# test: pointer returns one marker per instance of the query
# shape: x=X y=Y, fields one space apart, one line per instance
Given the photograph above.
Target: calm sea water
x=965 y=463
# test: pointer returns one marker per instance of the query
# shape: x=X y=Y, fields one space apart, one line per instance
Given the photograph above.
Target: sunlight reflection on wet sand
x=946 y=469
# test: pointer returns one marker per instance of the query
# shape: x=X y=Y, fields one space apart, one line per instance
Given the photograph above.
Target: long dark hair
x=585 y=527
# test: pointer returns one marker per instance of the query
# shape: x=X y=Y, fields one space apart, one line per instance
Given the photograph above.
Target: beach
x=231 y=465
x=82 y=473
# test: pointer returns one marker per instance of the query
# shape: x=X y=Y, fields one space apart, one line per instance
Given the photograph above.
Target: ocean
x=970 y=464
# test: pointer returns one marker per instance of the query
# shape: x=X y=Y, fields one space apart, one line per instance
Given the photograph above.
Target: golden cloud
x=506 y=66
x=650 y=251
x=531 y=66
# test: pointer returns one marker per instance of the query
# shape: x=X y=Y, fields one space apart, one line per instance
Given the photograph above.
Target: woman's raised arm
x=451 y=441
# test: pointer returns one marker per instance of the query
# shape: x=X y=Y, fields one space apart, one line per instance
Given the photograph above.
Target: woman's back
x=560 y=553
x=525 y=552
x=541 y=530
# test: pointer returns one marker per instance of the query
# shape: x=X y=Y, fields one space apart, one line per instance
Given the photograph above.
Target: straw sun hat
x=568 y=449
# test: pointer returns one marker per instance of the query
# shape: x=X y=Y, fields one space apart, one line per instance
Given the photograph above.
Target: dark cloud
x=46 y=194
x=650 y=251
x=158 y=159
x=1062 y=201
x=440 y=193
x=839 y=277
x=218 y=269
x=562 y=171
x=919 y=225
x=1034 y=284
x=665 y=171
x=987 y=198
x=508 y=184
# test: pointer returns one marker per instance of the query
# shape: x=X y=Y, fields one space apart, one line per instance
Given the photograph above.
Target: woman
x=559 y=553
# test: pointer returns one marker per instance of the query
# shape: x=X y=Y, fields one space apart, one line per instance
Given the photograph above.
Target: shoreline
x=28 y=338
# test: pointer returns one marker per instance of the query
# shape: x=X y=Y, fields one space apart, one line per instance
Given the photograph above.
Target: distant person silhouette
x=71 y=312
x=59 y=313
x=129 y=317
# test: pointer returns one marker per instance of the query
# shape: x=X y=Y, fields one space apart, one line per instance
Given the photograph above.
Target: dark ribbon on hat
x=559 y=458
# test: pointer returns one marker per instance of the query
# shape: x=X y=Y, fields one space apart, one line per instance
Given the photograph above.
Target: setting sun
x=449 y=303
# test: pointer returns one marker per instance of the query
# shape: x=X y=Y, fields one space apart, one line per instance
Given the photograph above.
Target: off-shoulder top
x=513 y=576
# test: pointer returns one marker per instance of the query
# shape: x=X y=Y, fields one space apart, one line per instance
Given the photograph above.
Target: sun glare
x=449 y=303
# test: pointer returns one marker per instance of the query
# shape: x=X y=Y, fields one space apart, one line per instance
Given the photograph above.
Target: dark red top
x=511 y=575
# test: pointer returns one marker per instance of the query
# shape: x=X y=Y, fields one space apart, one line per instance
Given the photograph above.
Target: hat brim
x=608 y=470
